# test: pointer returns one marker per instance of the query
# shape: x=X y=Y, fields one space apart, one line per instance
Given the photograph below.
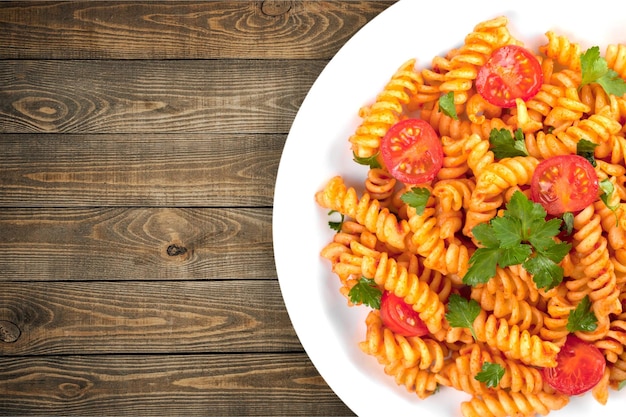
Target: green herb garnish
x=416 y=197
x=521 y=236
x=366 y=291
x=506 y=145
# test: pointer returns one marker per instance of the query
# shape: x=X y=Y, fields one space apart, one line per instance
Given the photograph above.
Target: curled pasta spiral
x=395 y=278
x=545 y=145
x=514 y=342
x=386 y=109
x=461 y=374
x=388 y=347
x=516 y=312
x=454 y=194
x=415 y=380
x=567 y=110
x=562 y=50
x=479 y=155
x=506 y=173
x=454 y=160
x=615 y=56
x=593 y=274
x=503 y=403
x=444 y=124
x=380 y=185
x=336 y=196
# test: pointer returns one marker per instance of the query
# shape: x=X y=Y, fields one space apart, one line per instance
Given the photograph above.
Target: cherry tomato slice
x=579 y=367
x=510 y=72
x=399 y=317
x=412 y=151
x=564 y=183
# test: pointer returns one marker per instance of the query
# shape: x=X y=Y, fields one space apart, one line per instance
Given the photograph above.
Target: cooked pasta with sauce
x=488 y=237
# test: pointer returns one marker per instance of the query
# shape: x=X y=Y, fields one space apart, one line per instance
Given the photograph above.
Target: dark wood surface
x=139 y=145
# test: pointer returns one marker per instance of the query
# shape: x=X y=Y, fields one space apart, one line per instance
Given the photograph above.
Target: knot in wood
x=9 y=332
x=176 y=250
x=275 y=7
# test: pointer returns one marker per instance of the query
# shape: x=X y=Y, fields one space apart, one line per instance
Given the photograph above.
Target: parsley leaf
x=482 y=266
x=505 y=145
x=490 y=374
x=371 y=161
x=462 y=312
x=446 y=105
x=607 y=188
x=621 y=385
x=568 y=223
x=586 y=149
x=336 y=226
x=546 y=273
x=582 y=318
x=520 y=236
x=543 y=233
x=595 y=69
x=366 y=292
x=417 y=198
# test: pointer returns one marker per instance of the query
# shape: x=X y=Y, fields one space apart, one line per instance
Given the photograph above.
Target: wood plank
x=190 y=385
x=215 y=96
x=181 y=30
x=135 y=244
x=145 y=317
x=191 y=170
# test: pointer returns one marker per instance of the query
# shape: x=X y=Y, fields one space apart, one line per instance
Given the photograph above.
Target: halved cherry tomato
x=412 y=151
x=510 y=72
x=399 y=317
x=564 y=183
x=579 y=367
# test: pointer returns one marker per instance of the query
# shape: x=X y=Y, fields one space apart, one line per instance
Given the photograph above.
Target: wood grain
x=152 y=96
x=154 y=385
x=146 y=317
x=192 y=170
x=136 y=244
x=181 y=30
x=139 y=147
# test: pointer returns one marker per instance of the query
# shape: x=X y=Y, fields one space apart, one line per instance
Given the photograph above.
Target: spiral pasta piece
x=386 y=110
x=479 y=154
x=454 y=160
x=395 y=278
x=445 y=125
x=567 y=110
x=388 y=347
x=543 y=145
x=514 y=342
x=336 y=196
x=562 y=50
x=461 y=374
x=502 y=403
x=506 y=173
x=594 y=273
x=380 y=185
x=516 y=312
x=615 y=56
x=415 y=380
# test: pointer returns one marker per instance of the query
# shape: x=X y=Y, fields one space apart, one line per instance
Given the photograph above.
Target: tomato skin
x=580 y=366
x=564 y=183
x=399 y=317
x=412 y=151
x=510 y=72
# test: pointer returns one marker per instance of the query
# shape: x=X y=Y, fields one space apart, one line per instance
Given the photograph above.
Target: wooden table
x=138 y=153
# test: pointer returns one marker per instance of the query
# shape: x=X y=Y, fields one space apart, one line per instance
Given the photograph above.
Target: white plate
x=317 y=148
